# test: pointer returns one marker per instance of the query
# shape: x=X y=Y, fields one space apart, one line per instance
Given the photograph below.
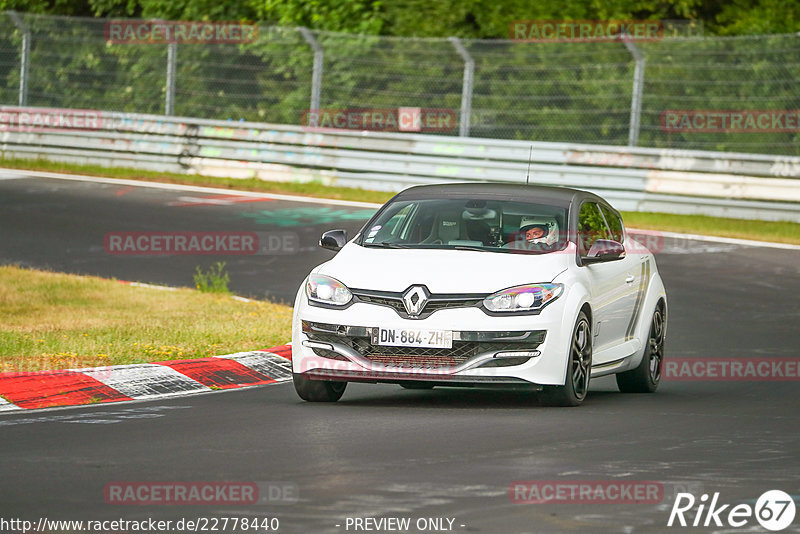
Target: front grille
x=395 y=303
x=332 y=355
x=434 y=304
x=410 y=361
x=417 y=357
x=505 y=362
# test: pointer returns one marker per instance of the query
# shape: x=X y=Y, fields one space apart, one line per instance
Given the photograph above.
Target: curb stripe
x=146 y=380
x=6 y=406
x=276 y=367
x=284 y=351
x=221 y=373
x=60 y=388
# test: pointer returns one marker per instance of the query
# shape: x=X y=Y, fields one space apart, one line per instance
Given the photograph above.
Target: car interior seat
x=447 y=227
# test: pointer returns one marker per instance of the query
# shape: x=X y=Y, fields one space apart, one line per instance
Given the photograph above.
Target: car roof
x=560 y=196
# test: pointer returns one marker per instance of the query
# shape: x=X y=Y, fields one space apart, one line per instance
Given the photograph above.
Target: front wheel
x=647 y=375
x=318 y=390
x=579 y=369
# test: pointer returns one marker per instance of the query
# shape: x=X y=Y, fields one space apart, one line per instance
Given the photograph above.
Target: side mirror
x=604 y=250
x=333 y=239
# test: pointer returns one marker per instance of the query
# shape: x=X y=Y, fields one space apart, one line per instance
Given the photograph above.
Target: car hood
x=442 y=271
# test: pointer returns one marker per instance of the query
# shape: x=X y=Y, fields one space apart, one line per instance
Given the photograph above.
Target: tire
x=318 y=390
x=647 y=375
x=579 y=369
x=416 y=385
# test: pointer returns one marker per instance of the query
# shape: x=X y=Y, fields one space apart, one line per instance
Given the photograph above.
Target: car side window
x=591 y=226
x=614 y=223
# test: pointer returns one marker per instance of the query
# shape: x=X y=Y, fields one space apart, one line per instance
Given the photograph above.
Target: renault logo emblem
x=415 y=298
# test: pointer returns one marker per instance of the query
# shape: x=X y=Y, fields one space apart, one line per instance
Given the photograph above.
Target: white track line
x=715 y=239
x=193 y=188
x=150 y=286
x=13 y=177
x=310 y=200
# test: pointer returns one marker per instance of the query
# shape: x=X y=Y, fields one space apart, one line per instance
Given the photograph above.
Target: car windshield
x=469 y=223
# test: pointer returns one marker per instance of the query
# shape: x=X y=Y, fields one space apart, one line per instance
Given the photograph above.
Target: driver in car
x=534 y=235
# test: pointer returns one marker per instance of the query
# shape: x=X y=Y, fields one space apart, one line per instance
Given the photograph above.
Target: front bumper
x=375 y=377
x=331 y=344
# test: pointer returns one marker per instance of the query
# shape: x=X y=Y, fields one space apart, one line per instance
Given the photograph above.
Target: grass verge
x=781 y=232
x=777 y=231
x=56 y=321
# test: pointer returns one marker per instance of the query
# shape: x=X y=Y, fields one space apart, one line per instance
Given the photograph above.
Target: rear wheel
x=579 y=369
x=647 y=375
x=318 y=390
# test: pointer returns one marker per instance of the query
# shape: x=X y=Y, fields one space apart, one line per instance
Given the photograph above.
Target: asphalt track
x=383 y=451
x=62 y=225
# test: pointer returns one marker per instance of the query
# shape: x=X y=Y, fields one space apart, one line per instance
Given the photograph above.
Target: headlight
x=326 y=290
x=527 y=298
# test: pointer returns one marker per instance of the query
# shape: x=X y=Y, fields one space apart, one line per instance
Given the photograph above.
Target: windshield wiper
x=384 y=244
x=491 y=249
x=475 y=249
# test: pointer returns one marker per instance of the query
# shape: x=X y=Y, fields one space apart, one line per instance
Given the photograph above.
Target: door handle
x=629 y=279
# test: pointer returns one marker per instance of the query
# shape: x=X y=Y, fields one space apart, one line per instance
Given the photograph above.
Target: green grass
x=56 y=321
x=214 y=280
x=782 y=232
x=777 y=231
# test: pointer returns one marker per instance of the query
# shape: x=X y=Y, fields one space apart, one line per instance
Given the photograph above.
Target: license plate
x=410 y=337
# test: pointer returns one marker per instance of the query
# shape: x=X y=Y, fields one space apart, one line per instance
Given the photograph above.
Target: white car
x=482 y=285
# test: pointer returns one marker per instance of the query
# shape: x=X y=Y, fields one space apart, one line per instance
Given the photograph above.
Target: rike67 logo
x=774 y=510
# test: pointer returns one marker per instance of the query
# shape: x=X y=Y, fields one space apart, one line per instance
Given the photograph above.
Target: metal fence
x=602 y=92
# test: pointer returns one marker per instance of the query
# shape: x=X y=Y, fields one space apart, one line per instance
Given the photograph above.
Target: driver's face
x=534 y=233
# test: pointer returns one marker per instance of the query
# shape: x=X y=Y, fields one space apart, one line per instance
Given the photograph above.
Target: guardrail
x=678 y=181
